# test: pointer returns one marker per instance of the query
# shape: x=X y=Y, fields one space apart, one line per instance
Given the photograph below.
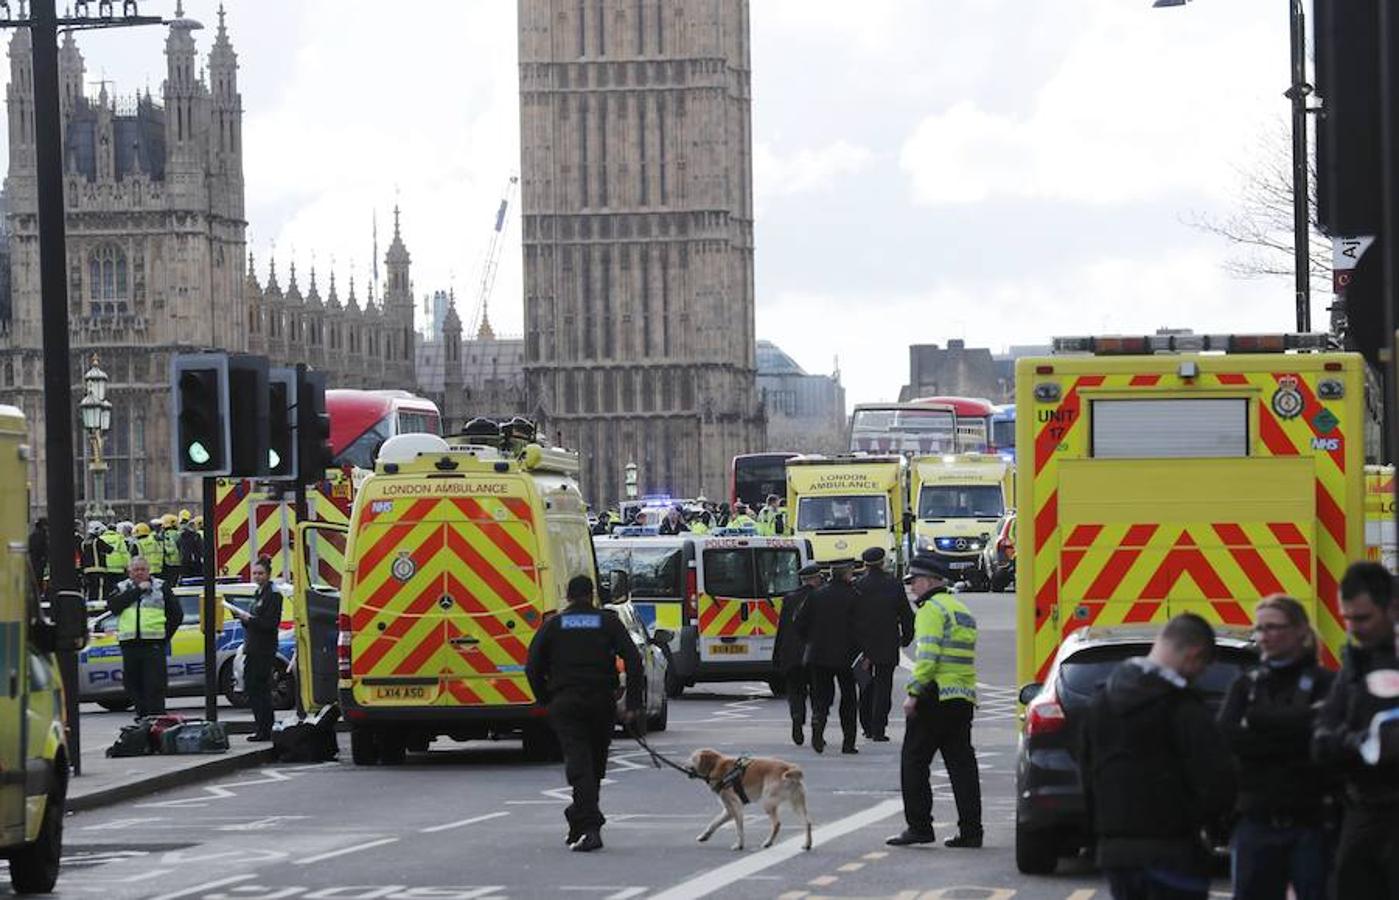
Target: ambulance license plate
x=728 y=649
x=401 y=692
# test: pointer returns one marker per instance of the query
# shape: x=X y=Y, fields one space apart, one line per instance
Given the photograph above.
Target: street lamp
x=631 y=480
x=96 y=412
x=1301 y=208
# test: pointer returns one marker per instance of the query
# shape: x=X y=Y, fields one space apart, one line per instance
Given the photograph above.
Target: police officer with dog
x=789 y=650
x=572 y=669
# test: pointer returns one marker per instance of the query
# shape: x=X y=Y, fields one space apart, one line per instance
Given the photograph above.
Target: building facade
x=805 y=412
x=157 y=264
x=479 y=376
x=636 y=174
x=955 y=371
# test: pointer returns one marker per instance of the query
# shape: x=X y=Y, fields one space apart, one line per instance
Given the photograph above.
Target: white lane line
x=201 y=888
x=723 y=876
x=320 y=857
x=1083 y=894
x=851 y=867
x=471 y=821
x=626 y=894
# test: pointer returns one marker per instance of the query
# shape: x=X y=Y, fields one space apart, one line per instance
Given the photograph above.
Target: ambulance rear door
x=318 y=573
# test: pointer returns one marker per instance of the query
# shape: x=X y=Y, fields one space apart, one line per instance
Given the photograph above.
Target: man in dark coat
x=262 y=622
x=1156 y=770
x=885 y=621
x=827 y=624
x=788 y=650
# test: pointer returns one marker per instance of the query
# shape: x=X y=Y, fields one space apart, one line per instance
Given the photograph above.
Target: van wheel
x=34 y=869
x=1000 y=580
x=541 y=745
x=1035 y=851
x=393 y=748
x=674 y=687
x=659 y=721
x=118 y=705
x=364 y=746
x=236 y=698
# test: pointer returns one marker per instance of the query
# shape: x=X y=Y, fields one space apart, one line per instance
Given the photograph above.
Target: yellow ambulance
x=844 y=505
x=957 y=501
x=1379 y=516
x=457 y=551
x=33 y=748
x=1185 y=473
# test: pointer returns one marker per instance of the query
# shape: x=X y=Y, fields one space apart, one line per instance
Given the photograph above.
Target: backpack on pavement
x=132 y=740
x=309 y=740
x=195 y=736
x=159 y=725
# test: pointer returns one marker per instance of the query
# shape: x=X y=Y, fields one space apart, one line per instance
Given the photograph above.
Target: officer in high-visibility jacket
x=170 y=547
x=113 y=556
x=939 y=708
x=150 y=547
x=147 y=616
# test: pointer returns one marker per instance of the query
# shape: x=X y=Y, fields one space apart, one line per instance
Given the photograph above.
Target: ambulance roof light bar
x=1131 y=345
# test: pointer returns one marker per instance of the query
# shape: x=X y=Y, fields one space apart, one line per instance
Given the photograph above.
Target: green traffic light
x=198 y=454
x=274 y=460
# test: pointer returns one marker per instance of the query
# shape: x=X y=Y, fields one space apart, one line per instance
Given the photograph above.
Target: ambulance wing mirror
x=68 y=613
x=1030 y=692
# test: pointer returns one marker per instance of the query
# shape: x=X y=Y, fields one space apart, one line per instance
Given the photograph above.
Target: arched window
x=107 y=281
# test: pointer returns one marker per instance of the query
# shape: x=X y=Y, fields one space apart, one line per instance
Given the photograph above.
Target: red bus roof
x=353 y=412
x=963 y=406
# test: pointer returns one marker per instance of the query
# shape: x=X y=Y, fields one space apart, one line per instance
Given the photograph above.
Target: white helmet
x=95 y=528
x=124 y=528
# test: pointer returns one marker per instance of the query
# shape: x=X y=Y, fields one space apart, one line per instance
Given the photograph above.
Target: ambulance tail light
x=342 y=645
x=1044 y=715
x=691 y=603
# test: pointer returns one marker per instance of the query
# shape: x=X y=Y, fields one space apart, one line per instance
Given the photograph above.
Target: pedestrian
x=262 y=622
x=789 y=651
x=673 y=523
x=92 y=571
x=826 y=624
x=1156 y=771
x=1267 y=719
x=39 y=550
x=572 y=669
x=1366 y=688
x=939 y=708
x=885 y=622
x=147 y=616
x=767 y=516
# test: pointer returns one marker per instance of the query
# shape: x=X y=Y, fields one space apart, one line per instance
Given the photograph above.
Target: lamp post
x=631 y=480
x=1297 y=93
x=97 y=421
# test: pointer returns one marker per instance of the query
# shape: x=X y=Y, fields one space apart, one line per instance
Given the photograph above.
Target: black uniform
x=885 y=622
x=827 y=624
x=572 y=669
x=191 y=546
x=1367 y=860
x=259 y=649
x=788 y=651
x=1156 y=770
x=1267 y=718
x=144 y=673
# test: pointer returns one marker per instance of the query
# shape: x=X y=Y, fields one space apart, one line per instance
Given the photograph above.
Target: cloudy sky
x=994 y=170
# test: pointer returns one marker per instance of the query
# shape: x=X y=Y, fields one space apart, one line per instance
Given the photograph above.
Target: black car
x=1050 y=819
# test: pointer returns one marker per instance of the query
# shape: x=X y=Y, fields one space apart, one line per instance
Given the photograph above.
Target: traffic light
x=1349 y=175
x=314 y=453
x=248 y=416
x=201 y=414
x=281 y=423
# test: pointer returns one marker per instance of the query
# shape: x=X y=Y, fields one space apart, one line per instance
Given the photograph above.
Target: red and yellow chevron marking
x=463 y=606
x=250 y=524
x=1122 y=573
x=731 y=617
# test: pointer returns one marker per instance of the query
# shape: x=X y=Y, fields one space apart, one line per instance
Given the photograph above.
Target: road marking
x=1083 y=894
x=471 y=821
x=618 y=893
x=626 y=893
x=716 y=879
x=851 y=867
x=200 y=888
x=794 y=895
x=321 y=857
x=121 y=824
x=823 y=880
x=875 y=854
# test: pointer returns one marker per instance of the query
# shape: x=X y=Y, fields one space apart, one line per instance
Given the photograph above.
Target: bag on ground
x=196 y=736
x=132 y=740
x=310 y=740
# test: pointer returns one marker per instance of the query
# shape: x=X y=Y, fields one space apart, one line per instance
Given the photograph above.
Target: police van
x=720 y=594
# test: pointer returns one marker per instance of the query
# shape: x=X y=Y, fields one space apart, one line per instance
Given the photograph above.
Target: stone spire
x=293 y=290
x=333 y=298
x=331 y=301
x=252 y=273
x=272 y=286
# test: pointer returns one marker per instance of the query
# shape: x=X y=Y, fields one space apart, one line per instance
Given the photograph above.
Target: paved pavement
x=475 y=820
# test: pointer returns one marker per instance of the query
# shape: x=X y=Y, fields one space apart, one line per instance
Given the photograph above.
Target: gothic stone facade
x=638 y=237
x=156 y=263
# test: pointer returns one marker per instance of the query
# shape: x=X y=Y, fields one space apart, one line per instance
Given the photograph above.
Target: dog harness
x=734 y=779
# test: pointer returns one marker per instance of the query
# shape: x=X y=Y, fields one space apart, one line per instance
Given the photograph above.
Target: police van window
x=842 y=513
x=777 y=571
x=655 y=572
x=1145 y=429
x=982 y=501
x=728 y=573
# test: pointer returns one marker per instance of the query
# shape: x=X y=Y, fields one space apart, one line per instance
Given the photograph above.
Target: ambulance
x=455 y=555
x=957 y=501
x=844 y=505
x=717 y=595
x=1185 y=473
x=1379 y=516
x=33 y=747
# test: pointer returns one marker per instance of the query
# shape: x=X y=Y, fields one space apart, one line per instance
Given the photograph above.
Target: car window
x=1081 y=674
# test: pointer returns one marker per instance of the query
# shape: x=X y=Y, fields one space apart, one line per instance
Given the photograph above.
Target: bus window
x=416 y=421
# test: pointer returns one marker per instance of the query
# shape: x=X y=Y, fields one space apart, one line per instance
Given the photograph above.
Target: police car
x=99 y=665
x=654 y=663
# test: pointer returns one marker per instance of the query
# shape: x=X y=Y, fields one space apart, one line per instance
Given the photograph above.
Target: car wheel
x=1000 y=580
x=118 y=705
x=674 y=687
x=34 y=869
x=236 y=698
x=1035 y=851
x=364 y=746
x=659 y=721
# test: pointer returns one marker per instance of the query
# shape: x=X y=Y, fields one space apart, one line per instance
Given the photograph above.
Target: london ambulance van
x=957 y=501
x=844 y=505
x=1379 y=516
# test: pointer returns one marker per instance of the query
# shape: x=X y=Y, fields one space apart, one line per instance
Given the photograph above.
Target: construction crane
x=480 y=318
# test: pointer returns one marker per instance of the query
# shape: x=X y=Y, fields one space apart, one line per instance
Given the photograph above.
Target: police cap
x=810 y=570
x=929 y=566
x=839 y=564
x=873 y=556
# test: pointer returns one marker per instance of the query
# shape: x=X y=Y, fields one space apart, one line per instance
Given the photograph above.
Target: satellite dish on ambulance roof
x=404 y=448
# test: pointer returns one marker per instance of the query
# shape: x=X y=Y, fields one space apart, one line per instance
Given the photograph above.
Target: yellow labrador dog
x=739 y=779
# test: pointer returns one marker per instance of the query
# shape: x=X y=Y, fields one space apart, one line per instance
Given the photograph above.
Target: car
x=998 y=556
x=100 y=670
x=651 y=646
x=1050 y=817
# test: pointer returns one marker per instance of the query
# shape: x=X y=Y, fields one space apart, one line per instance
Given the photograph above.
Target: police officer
x=885 y=620
x=938 y=710
x=826 y=623
x=262 y=622
x=191 y=544
x=170 y=548
x=149 y=547
x=788 y=649
x=147 y=616
x=113 y=557
x=1367 y=859
x=572 y=668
